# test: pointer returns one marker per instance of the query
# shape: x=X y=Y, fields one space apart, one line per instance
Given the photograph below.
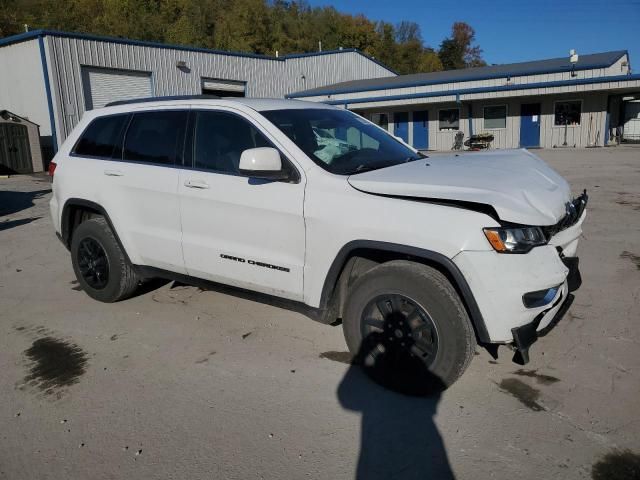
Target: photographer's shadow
x=398 y=439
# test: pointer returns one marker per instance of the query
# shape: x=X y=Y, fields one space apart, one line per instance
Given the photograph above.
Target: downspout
x=47 y=88
x=470 y=113
x=607 y=120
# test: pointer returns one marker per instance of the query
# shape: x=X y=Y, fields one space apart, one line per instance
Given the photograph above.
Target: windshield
x=340 y=141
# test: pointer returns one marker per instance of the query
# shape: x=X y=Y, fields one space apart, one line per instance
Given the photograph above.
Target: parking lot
x=184 y=383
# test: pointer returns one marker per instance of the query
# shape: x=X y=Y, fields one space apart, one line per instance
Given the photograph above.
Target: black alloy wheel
x=401 y=328
x=93 y=263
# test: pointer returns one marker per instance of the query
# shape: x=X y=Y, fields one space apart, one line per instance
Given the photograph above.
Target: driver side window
x=219 y=140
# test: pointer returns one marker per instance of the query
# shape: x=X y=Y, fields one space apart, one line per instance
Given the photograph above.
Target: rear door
x=237 y=230
x=126 y=163
x=145 y=186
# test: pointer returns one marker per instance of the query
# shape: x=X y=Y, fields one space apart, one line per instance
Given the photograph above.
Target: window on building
x=156 y=137
x=220 y=138
x=449 y=119
x=223 y=88
x=495 y=117
x=567 y=113
x=102 y=138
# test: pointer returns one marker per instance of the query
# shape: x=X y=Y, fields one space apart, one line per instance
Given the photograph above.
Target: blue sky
x=517 y=30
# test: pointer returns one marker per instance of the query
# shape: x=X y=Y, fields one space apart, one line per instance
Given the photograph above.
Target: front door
x=530 y=125
x=421 y=130
x=401 y=125
x=236 y=230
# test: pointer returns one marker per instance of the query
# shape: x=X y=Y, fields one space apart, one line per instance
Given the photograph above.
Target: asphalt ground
x=184 y=383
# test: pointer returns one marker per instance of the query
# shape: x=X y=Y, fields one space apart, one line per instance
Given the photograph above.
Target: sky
x=517 y=30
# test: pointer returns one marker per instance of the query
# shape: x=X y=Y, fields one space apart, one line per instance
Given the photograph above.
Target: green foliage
x=260 y=26
x=458 y=51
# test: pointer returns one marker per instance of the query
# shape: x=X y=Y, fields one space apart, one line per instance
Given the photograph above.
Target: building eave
x=465 y=91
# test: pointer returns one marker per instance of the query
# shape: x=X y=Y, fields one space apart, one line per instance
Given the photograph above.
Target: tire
x=406 y=325
x=101 y=267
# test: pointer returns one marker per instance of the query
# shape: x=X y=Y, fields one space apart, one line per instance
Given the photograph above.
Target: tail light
x=52 y=169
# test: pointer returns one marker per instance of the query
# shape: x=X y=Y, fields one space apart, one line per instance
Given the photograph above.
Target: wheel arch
x=347 y=263
x=72 y=217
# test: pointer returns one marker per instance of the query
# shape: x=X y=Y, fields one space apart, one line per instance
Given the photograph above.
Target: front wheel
x=406 y=325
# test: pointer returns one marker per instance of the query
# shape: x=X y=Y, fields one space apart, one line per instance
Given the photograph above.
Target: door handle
x=201 y=184
x=114 y=173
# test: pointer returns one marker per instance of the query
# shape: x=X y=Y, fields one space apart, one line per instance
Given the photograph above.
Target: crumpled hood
x=521 y=187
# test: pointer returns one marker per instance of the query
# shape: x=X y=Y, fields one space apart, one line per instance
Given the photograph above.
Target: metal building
x=52 y=77
x=586 y=100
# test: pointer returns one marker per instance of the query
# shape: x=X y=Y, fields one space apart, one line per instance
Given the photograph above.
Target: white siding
x=22 y=88
x=508 y=137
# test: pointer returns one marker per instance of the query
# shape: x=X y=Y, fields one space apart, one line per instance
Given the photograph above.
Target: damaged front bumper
x=526 y=335
x=521 y=297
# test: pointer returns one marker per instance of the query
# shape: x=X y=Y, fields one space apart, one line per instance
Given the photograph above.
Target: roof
x=7 y=115
x=23 y=37
x=536 y=67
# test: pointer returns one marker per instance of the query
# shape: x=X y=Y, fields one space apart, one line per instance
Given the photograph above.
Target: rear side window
x=102 y=138
x=156 y=137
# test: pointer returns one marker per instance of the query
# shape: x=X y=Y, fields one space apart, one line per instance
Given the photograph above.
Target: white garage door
x=103 y=85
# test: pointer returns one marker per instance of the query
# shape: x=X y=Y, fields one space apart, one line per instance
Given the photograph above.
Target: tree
x=458 y=51
x=257 y=26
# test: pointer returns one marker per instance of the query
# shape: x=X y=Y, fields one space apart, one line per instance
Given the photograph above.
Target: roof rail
x=161 y=99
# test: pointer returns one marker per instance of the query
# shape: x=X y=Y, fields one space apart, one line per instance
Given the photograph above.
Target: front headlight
x=515 y=240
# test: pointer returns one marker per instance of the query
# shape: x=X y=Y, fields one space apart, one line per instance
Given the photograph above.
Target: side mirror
x=262 y=162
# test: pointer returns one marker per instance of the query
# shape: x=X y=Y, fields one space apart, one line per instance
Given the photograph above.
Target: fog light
x=540 y=297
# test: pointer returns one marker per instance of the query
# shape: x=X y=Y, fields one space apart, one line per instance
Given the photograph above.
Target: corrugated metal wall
x=592 y=122
x=265 y=77
x=311 y=72
x=508 y=137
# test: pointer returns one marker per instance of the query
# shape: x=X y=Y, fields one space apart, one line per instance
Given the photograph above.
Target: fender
x=79 y=202
x=446 y=264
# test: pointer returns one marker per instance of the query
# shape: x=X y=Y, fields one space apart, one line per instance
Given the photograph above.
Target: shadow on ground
x=7 y=224
x=13 y=202
x=398 y=438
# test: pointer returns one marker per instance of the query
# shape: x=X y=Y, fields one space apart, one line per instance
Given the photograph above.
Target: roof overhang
x=388 y=98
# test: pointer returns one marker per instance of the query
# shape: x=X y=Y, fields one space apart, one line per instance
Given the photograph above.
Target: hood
x=520 y=187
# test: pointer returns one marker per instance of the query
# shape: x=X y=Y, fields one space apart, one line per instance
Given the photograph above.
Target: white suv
x=420 y=258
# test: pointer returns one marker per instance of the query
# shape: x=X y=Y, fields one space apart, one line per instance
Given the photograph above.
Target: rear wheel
x=100 y=265
x=406 y=325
